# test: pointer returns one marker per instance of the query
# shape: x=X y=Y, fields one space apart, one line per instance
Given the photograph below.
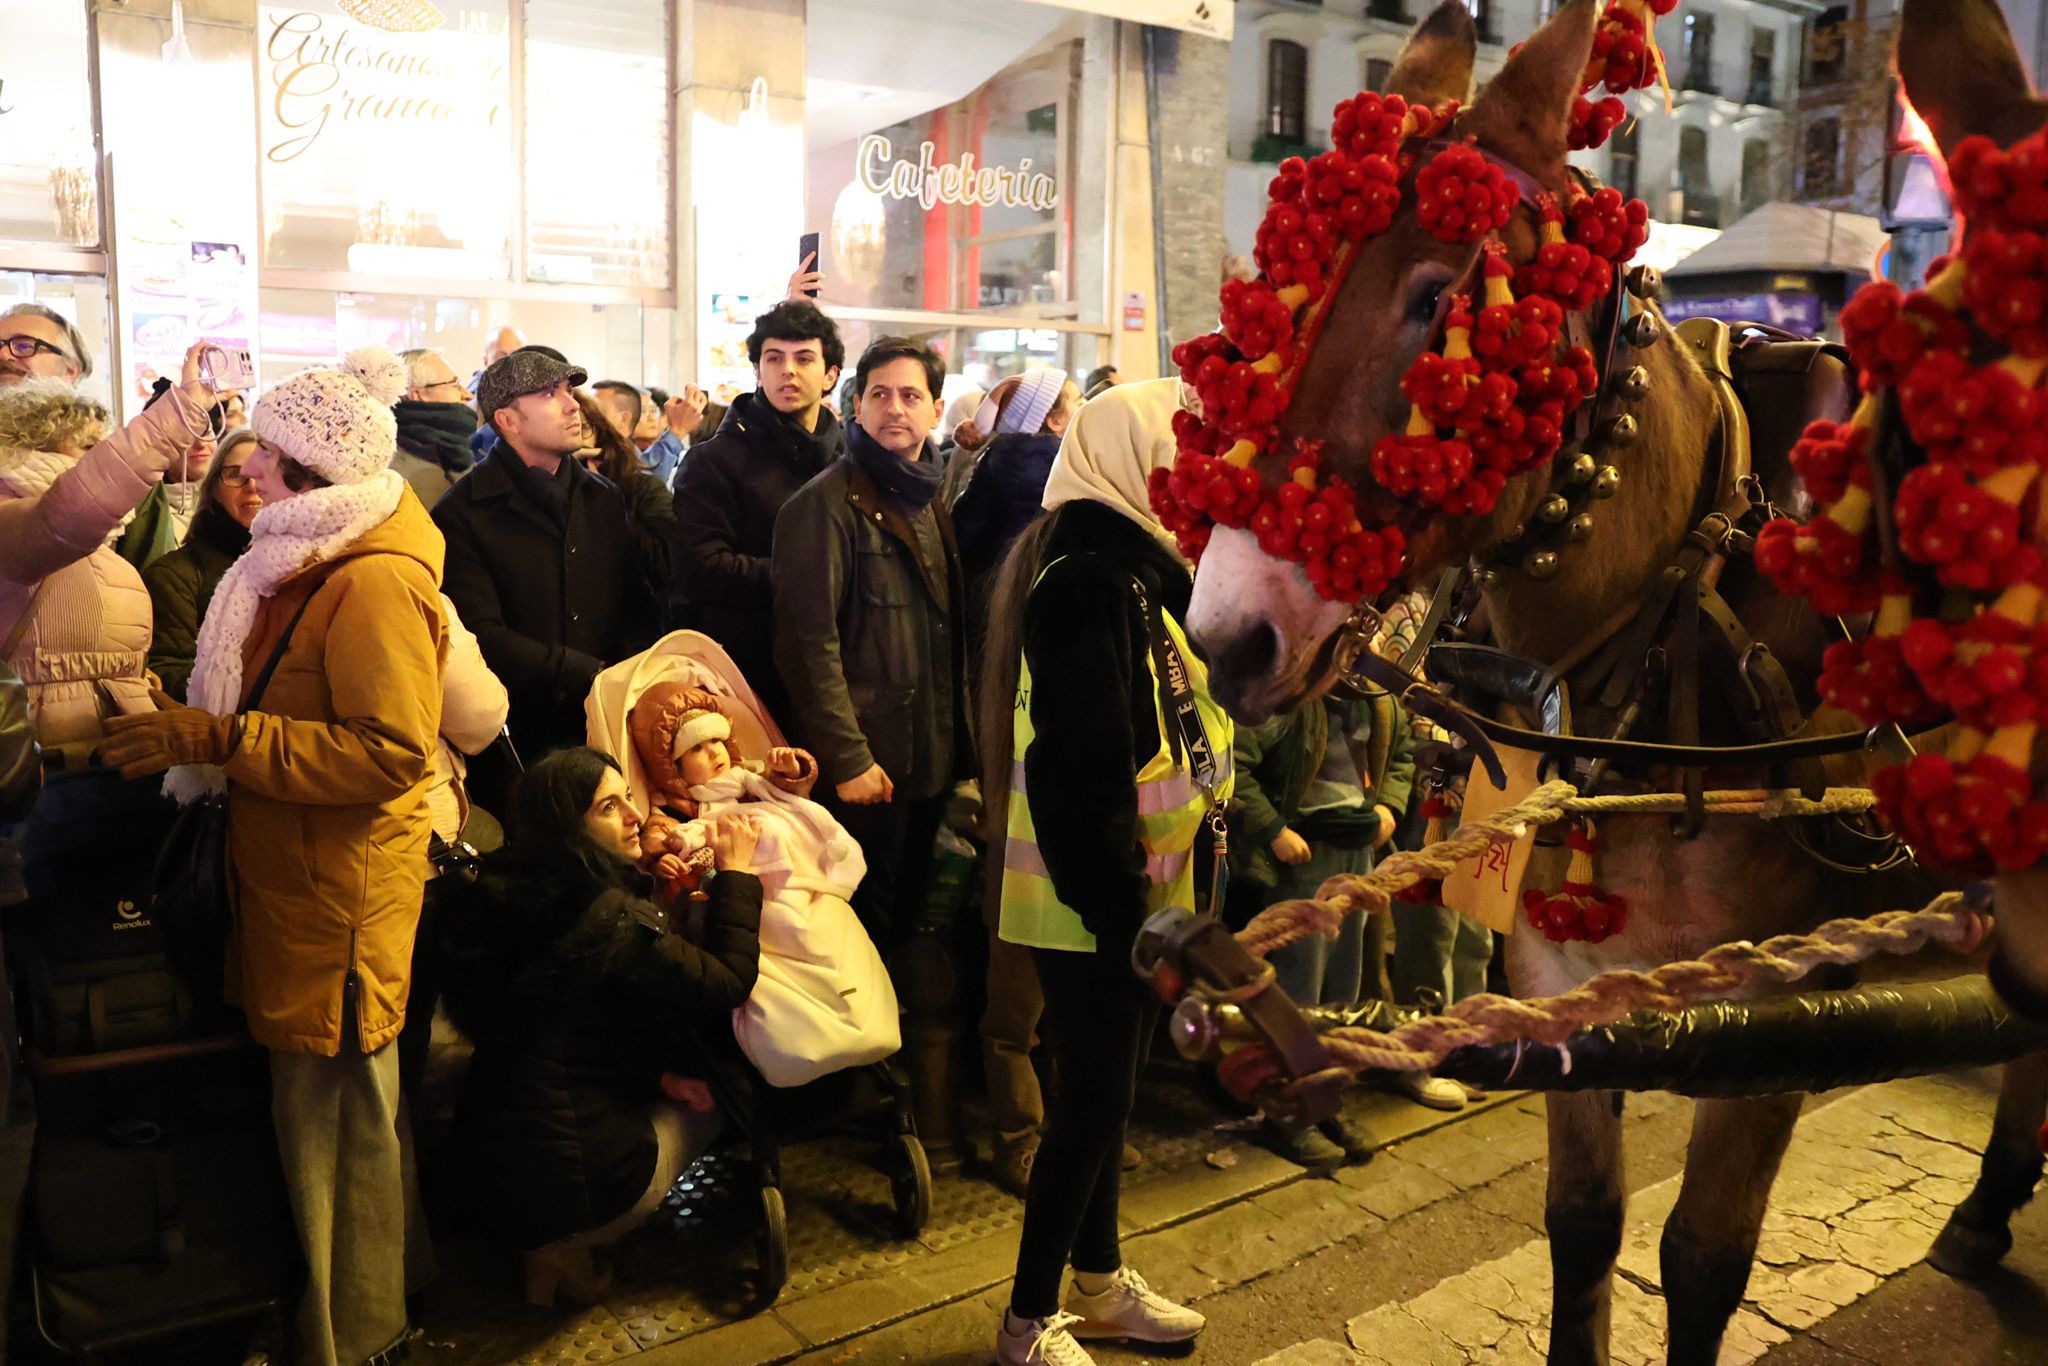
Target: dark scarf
x=219 y=529
x=912 y=483
x=438 y=432
x=812 y=449
x=548 y=492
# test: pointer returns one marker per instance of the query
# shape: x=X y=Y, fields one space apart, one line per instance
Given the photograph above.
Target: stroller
x=763 y=1116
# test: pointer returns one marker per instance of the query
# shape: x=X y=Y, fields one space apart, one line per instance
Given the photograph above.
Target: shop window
x=1699 y=52
x=387 y=144
x=1378 y=70
x=1763 y=63
x=302 y=327
x=1695 y=185
x=49 y=168
x=1821 y=165
x=1286 y=92
x=1482 y=19
x=1827 y=45
x=1756 y=174
x=1623 y=158
x=596 y=149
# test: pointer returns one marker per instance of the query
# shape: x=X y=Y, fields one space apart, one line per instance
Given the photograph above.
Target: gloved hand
x=152 y=741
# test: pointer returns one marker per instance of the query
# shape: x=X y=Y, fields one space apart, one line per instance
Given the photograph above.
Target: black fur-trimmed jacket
x=578 y=995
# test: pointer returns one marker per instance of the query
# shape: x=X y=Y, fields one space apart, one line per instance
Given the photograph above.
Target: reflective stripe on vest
x=1171 y=811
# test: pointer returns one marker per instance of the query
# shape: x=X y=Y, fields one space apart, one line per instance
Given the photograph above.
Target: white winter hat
x=695 y=727
x=336 y=422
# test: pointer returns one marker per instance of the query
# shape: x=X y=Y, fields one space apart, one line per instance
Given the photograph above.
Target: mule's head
x=1269 y=637
x=1963 y=73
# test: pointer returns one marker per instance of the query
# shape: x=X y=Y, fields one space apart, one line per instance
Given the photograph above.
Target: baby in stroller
x=676 y=718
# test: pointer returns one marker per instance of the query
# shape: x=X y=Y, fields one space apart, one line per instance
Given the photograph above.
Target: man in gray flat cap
x=545 y=561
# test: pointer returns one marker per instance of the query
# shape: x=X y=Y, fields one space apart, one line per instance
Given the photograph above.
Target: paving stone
x=1237 y=1244
x=757 y=1341
x=1804 y=1296
x=1167 y=1258
x=1321 y=1352
x=845 y=1310
x=1314 y=1214
x=1391 y=1186
x=1391 y=1336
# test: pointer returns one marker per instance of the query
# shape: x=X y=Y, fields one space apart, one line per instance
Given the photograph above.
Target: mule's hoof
x=1966 y=1250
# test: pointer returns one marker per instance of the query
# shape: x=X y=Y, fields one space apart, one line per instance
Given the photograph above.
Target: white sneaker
x=1040 y=1342
x=1438 y=1093
x=1132 y=1311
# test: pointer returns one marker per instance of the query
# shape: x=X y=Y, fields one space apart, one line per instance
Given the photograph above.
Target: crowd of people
x=362 y=601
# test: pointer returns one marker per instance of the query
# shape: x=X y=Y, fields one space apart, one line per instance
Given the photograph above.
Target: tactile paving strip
x=690 y=1269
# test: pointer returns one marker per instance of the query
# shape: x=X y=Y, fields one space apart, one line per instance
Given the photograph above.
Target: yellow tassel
x=2014 y=744
x=1851 y=512
x=1241 y=455
x=1419 y=423
x=1294 y=296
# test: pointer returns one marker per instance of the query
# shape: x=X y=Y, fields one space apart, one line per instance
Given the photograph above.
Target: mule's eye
x=1422 y=303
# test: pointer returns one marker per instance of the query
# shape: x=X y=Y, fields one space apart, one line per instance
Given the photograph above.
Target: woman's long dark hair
x=548 y=806
x=1002 y=658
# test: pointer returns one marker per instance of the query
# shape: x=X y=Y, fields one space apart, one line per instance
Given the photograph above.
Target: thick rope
x=1350 y=893
x=1948 y=920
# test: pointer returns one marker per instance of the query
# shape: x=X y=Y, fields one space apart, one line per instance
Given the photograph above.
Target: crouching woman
x=595 y=1020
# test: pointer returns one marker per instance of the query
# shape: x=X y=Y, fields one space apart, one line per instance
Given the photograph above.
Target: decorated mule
x=1446 y=361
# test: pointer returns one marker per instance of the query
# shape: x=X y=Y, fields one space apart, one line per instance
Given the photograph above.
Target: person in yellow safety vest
x=1116 y=758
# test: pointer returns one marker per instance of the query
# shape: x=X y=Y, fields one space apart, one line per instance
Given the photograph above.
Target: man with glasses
x=35 y=340
x=435 y=423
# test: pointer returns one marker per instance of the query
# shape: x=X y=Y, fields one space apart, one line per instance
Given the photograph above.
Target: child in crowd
x=1320 y=793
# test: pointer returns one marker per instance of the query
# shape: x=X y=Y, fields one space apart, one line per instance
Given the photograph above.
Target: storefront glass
x=49 y=181
x=957 y=176
x=387 y=140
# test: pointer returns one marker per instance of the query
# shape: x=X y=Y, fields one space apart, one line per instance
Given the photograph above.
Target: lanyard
x=1186 y=737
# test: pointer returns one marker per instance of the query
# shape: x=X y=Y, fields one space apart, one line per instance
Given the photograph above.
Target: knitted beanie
x=336 y=422
x=693 y=728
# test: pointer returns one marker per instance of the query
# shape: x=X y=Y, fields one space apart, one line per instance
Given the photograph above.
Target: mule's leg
x=1977 y=1235
x=1710 y=1238
x=1582 y=1212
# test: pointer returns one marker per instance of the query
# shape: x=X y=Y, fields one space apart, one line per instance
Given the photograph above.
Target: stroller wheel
x=911 y=1184
x=771 y=1248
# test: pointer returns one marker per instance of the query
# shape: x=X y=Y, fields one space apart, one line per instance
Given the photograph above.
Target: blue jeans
x=1316 y=971
x=1437 y=948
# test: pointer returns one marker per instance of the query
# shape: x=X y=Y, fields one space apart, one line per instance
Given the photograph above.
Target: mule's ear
x=1963 y=73
x=1436 y=63
x=1524 y=114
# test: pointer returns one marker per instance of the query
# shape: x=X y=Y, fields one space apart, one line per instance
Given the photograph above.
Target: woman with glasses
x=181 y=583
x=74 y=617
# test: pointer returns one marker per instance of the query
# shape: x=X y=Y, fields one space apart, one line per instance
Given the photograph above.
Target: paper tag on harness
x=1489 y=888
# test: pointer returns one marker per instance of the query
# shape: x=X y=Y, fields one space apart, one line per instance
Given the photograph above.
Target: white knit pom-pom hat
x=336 y=422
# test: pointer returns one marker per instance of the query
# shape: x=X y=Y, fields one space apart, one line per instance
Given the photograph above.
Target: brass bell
x=1581 y=470
x=1634 y=385
x=1491 y=577
x=1580 y=529
x=1642 y=330
x=1553 y=509
x=1606 y=482
x=1540 y=565
x=1622 y=431
x=1645 y=282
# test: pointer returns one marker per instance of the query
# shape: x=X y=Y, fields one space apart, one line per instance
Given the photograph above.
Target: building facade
x=626 y=179
x=1720 y=148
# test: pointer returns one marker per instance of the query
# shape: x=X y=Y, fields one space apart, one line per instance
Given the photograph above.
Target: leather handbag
x=191 y=899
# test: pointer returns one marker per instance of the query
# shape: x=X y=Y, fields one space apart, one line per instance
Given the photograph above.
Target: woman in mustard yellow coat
x=326 y=765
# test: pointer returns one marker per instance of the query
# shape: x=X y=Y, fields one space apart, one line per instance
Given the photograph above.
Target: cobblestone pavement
x=1433 y=1254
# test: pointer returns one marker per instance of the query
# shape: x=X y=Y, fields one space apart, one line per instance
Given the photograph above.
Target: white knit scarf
x=284 y=538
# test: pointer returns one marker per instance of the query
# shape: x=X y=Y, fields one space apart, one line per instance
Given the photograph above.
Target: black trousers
x=896 y=840
x=1097 y=1018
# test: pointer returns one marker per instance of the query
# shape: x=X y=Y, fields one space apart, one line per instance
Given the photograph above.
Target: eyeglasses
x=454 y=384
x=235 y=479
x=25 y=348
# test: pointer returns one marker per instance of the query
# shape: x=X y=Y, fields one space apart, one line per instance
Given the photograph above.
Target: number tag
x=1489 y=888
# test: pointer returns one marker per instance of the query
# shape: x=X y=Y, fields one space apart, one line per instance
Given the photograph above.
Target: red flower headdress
x=1492 y=403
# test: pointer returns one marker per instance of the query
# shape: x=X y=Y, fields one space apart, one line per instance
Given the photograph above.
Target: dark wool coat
x=1095 y=710
x=1001 y=498
x=551 y=603
x=578 y=995
x=869 y=602
x=181 y=585
x=729 y=489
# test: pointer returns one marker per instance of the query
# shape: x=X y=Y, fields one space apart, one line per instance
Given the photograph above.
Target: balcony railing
x=1273 y=150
